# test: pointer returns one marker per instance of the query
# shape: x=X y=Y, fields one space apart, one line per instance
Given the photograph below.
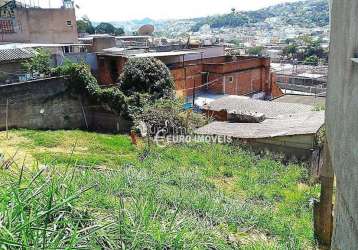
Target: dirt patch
x=11 y=149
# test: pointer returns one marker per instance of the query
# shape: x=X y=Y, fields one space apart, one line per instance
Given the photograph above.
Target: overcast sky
x=119 y=10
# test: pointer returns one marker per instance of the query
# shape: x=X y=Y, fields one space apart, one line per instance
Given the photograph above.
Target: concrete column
x=342 y=120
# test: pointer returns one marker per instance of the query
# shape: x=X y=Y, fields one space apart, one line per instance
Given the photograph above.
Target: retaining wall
x=47 y=104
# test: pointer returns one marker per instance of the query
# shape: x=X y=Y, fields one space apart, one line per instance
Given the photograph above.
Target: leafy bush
x=145 y=81
x=147 y=75
x=169 y=113
x=256 y=51
x=311 y=60
x=40 y=63
x=82 y=82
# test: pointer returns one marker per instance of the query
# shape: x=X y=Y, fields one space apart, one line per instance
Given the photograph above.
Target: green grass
x=181 y=197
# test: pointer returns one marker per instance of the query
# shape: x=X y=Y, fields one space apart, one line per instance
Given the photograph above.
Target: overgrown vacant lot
x=99 y=191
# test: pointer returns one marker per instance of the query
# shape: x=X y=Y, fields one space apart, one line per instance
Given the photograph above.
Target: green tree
x=255 y=51
x=290 y=51
x=119 y=32
x=84 y=25
x=40 y=63
x=147 y=76
x=107 y=28
x=311 y=60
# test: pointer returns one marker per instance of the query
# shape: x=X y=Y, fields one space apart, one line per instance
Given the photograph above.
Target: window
x=229 y=79
x=69 y=23
x=68 y=49
x=6 y=26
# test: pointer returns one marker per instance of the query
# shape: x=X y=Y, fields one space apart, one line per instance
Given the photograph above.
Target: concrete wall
x=35 y=25
x=305 y=89
x=342 y=120
x=47 y=104
x=88 y=58
x=101 y=43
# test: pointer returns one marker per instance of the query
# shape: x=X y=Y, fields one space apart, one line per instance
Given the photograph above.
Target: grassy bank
x=99 y=191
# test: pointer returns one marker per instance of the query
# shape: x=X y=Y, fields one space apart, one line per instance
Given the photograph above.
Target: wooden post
x=6 y=118
x=323 y=210
x=134 y=138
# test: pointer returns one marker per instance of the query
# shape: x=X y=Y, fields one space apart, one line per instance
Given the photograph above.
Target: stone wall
x=47 y=104
x=342 y=120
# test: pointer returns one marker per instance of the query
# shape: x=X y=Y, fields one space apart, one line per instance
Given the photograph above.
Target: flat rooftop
x=240 y=104
x=133 y=37
x=38 y=45
x=148 y=54
x=302 y=99
x=308 y=123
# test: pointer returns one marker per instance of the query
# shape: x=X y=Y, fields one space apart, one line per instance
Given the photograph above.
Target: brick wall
x=242 y=76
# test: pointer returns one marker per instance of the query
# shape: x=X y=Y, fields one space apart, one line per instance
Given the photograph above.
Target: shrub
x=169 y=113
x=311 y=60
x=256 y=51
x=147 y=75
x=40 y=63
x=82 y=82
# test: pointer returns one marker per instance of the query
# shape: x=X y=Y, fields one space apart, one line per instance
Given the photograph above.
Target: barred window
x=6 y=26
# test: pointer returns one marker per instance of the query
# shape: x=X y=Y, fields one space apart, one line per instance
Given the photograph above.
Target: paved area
x=241 y=104
x=286 y=125
x=301 y=99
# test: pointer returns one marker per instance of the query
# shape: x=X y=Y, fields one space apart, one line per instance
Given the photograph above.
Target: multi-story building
x=30 y=24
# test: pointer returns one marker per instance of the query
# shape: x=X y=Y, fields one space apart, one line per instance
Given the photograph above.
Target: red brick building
x=191 y=70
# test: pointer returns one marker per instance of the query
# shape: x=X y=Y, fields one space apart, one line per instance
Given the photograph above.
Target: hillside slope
x=311 y=13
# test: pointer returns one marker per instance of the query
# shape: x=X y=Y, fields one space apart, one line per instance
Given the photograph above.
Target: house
x=11 y=60
x=202 y=69
x=230 y=108
x=288 y=128
x=22 y=23
x=98 y=42
x=293 y=135
x=13 y=55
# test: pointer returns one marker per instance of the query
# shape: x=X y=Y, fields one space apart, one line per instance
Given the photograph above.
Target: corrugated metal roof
x=8 y=55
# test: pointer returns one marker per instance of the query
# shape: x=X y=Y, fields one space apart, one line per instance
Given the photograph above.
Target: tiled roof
x=8 y=55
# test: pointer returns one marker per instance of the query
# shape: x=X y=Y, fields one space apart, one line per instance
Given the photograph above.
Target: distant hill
x=310 y=13
x=134 y=25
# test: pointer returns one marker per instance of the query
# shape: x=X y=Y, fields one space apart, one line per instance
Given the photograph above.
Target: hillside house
x=22 y=23
x=205 y=69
